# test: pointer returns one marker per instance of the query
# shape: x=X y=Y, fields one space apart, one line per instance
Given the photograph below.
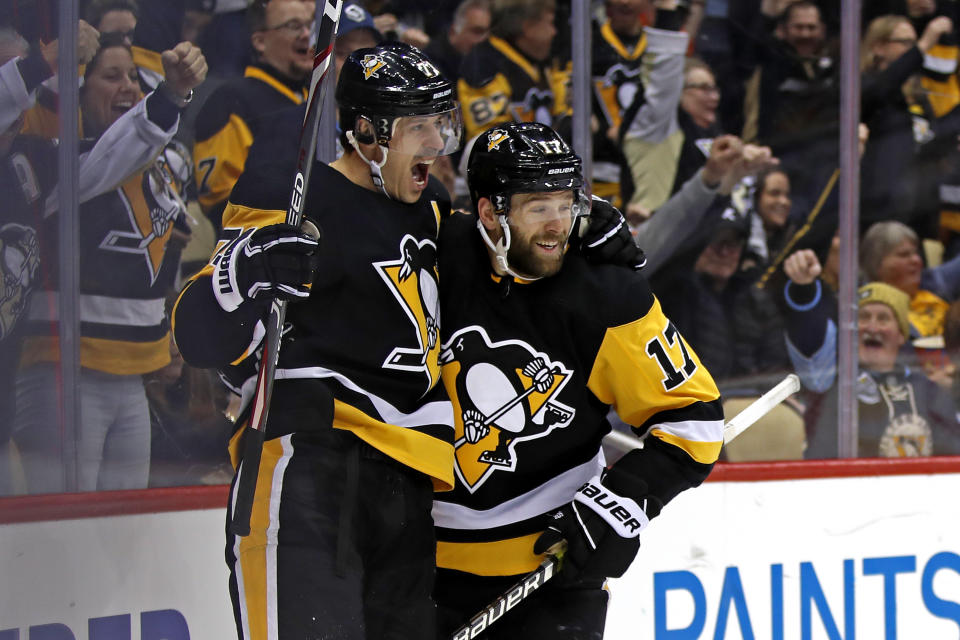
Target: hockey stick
x=737 y=425
x=550 y=565
x=514 y=595
x=260 y=406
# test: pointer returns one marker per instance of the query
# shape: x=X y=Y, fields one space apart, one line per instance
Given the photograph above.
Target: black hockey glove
x=276 y=261
x=608 y=240
x=601 y=526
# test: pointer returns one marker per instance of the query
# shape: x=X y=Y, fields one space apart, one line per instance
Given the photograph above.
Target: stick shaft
x=761 y=407
x=509 y=599
x=260 y=405
x=746 y=418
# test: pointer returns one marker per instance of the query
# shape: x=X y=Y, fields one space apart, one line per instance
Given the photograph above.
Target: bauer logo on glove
x=622 y=514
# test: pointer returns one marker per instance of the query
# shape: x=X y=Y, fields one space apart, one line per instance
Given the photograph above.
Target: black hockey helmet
x=393 y=80
x=521 y=157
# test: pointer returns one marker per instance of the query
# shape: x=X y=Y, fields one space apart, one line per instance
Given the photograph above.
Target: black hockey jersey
x=368 y=335
x=616 y=74
x=227 y=125
x=499 y=84
x=127 y=268
x=28 y=174
x=617 y=88
x=532 y=372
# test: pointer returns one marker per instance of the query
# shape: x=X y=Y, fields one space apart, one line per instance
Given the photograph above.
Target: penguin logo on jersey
x=412 y=279
x=19 y=264
x=155 y=194
x=907 y=436
x=495 y=137
x=371 y=64
x=616 y=91
x=503 y=393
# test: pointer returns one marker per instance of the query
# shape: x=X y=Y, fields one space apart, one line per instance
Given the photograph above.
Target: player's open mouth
x=420 y=172
x=548 y=246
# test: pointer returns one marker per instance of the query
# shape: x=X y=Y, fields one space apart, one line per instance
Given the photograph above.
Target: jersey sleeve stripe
x=704 y=452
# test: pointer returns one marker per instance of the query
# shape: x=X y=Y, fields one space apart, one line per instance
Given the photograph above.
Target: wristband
x=180 y=101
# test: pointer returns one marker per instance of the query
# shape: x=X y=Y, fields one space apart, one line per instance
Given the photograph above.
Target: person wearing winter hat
x=901 y=412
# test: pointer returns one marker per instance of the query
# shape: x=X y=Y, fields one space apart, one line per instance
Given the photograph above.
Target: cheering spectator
x=793 y=92
x=901 y=412
x=636 y=83
x=890 y=253
x=732 y=325
x=890 y=55
x=697 y=118
x=232 y=117
x=129 y=253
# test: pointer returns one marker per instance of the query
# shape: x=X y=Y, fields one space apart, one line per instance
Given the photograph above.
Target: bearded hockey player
x=537 y=346
x=359 y=433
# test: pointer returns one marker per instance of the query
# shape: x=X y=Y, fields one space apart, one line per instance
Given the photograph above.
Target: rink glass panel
x=187 y=410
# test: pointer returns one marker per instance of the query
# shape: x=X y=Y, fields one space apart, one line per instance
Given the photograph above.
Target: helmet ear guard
x=361 y=136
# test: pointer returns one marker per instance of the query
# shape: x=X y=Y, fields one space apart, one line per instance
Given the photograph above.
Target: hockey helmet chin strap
x=501 y=266
x=375 y=166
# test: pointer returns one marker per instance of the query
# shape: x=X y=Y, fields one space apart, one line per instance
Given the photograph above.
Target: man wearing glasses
x=233 y=116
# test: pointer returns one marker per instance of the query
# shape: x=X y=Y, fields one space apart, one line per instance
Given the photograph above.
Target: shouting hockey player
x=342 y=542
x=537 y=346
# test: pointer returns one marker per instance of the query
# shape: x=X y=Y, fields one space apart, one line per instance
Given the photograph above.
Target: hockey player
x=359 y=432
x=537 y=346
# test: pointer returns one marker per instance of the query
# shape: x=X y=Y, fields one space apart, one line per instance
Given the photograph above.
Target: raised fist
x=184 y=67
x=802 y=267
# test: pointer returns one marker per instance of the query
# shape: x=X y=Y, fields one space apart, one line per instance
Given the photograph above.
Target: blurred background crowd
x=715 y=128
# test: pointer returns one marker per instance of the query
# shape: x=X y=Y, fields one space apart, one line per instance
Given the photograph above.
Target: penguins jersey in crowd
x=532 y=369
x=636 y=86
x=617 y=87
x=499 y=84
x=227 y=125
x=27 y=174
x=368 y=335
x=129 y=207
x=901 y=414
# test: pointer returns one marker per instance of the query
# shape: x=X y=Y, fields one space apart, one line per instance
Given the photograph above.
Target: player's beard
x=526 y=260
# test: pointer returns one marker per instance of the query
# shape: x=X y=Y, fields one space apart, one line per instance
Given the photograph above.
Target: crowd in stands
x=715 y=130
